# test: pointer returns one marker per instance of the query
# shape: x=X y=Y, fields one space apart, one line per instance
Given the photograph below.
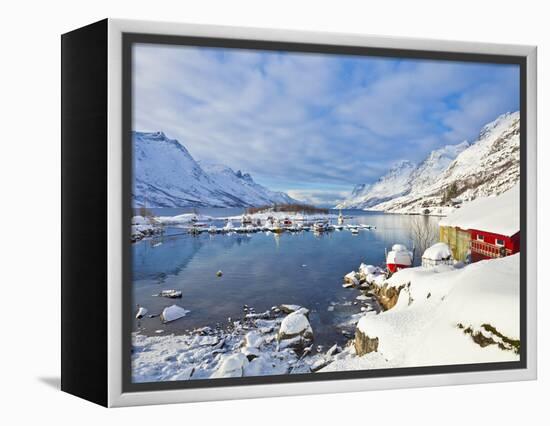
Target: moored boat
x=320 y=226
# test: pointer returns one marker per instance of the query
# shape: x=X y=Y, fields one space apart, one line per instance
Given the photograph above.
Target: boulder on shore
x=289 y=309
x=232 y=366
x=295 y=330
x=352 y=278
x=364 y=344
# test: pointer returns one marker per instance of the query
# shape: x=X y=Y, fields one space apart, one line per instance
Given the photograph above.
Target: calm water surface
x=260 y=271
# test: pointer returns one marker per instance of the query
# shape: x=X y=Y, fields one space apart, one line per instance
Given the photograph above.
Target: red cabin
x=488 y=245
x=492 y=224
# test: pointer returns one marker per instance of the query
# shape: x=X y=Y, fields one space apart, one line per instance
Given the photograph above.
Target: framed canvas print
x=253 y=212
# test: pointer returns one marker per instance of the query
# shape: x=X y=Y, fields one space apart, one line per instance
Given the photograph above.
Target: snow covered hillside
x=488 y=166
x=166 y=175
x=389 y=186
x=444 y=315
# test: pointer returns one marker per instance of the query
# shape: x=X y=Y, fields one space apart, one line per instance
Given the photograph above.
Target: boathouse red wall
x=484 y=244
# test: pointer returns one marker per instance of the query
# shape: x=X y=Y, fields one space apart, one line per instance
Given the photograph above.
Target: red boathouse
x=492 y=224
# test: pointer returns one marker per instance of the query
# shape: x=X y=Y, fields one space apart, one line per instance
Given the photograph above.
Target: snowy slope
x=488 y=166
x=440 y=313
x=166 y=175
x=243 y=186
x=389 y=186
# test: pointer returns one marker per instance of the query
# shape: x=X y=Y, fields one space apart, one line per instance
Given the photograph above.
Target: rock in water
x=351 y=278
x=232 y=366
x=141 y=312
x=172 y=294
x=334 y=350
x=173 y=313
x=288 y=309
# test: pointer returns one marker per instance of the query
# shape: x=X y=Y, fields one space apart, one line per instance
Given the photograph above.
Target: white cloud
x=324 y=120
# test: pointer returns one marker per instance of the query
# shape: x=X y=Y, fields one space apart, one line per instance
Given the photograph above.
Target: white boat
x=355 y=231
x=320 y=227
x=213 y=230
x=228 y=226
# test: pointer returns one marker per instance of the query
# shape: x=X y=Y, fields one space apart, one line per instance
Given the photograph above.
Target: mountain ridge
x=167 y=175
x=488 y=166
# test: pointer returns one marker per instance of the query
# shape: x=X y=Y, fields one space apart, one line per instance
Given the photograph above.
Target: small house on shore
x=485 y=228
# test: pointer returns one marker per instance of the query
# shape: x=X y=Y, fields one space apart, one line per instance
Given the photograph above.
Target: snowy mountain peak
x=488 y=166
x=166 y=175
x=402 y=164
x=502 y=121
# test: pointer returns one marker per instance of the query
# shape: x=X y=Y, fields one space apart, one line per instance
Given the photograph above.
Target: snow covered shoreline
x=443 y=315
x=189 y=218
x=278 y=341
x=433 y=316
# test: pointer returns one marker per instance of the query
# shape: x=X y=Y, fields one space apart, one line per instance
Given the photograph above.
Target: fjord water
x=260 y=270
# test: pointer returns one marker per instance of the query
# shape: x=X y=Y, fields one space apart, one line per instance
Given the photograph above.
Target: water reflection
x=262 y=270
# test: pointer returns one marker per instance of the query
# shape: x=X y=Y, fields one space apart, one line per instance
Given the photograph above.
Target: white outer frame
x=114 y=217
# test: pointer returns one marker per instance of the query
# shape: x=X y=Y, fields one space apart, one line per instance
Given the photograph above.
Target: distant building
x=485 y=228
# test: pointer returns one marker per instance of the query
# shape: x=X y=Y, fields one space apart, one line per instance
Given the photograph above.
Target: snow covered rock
x=253 y=339
x=173 y=313
x=288 y=309
x=143 y=227
x=351 y=278
x=363 y=343
x=232 y=366
x=368 y=269
x=171 y=294
x=141 y=312
x=296 y=330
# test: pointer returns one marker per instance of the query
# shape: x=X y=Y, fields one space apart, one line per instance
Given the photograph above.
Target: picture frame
x=97 y=172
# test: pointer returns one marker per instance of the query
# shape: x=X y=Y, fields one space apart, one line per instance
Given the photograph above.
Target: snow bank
x=143 y=227
x=432 y=319
x=183 y=219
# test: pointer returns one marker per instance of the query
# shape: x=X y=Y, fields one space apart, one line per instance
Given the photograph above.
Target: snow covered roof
x=499 y=214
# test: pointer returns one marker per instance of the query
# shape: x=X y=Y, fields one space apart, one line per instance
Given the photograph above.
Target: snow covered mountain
x=243 y=186
x=166 y=175
x=488 y=166
x=391 y=185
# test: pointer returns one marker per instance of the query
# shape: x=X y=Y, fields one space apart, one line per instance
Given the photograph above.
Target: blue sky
x=314 y=125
